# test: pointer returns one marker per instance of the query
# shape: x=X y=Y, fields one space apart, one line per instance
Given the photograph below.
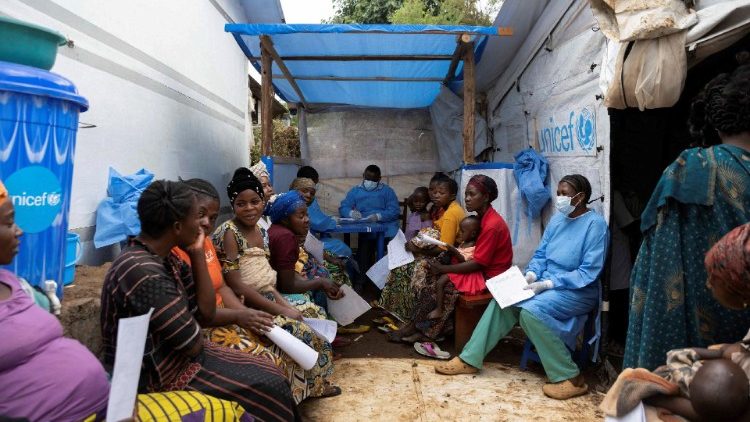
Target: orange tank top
x=212 y=262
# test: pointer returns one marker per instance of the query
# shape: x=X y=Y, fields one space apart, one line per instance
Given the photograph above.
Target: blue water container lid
x=33 y=81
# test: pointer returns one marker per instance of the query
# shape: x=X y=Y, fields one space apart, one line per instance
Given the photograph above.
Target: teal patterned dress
x=700 y=197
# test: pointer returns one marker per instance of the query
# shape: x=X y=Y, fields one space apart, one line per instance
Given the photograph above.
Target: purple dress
x=44 y=376
x=414 y=224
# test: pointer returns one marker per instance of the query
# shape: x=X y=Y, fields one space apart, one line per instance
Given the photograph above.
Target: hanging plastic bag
x=117 y=215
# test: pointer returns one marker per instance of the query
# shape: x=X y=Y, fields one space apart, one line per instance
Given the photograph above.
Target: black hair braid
x=162 y=204
x=203 y=188
x=723 y=105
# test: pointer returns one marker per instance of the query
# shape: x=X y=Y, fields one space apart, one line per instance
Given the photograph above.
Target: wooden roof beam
x=267 y=44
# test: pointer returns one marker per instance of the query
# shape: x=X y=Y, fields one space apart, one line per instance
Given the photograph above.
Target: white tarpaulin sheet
x=525 y=233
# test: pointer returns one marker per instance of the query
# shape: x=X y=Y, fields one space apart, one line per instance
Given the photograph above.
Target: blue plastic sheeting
x=360 y=40
x=117 y=215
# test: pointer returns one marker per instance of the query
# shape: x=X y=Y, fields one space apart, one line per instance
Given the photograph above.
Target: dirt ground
x=81 y=306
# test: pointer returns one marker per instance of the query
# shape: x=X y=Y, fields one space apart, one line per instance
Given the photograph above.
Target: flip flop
x=358 y=329
x=388 y=328
x=383 y=320
x=431 y=350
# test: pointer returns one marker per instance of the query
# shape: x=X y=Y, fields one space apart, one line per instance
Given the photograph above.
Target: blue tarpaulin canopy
x=388 y=66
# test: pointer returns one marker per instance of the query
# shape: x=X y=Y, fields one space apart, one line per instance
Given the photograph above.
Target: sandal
x=383 y=320
x=431 y=350
x=358 y=329
x=388 y=328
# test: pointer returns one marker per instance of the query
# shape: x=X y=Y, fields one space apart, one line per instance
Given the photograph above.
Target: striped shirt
x=138 y=281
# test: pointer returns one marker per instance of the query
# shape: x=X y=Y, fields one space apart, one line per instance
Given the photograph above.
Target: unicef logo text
x=47 y=198
x=37 y=197
x=559 y=138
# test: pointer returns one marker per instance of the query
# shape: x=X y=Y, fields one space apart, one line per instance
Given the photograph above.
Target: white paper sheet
x=431 y=240
x=305 y=356
x=507 y=288
x=348 y=308
x=314 y=247
x=397 y=253
x=378 y=273
x=131 y=341
x=636 y=415
x=324 y=328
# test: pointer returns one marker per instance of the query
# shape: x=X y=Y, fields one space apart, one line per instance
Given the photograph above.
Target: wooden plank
x=469 y=103
x=378 y=58
x=266 y=102
x=363 y=79
x=457 y=56
x=267 y=46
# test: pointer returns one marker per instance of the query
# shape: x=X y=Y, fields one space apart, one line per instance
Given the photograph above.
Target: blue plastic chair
x=590 y=336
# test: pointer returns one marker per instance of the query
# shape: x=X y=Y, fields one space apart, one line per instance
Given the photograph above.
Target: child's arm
x=678 y=405
x=456 y=253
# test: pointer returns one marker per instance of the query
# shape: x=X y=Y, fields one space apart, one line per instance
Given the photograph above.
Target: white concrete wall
x=167 y=89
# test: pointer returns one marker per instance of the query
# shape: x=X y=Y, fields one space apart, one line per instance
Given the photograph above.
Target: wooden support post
x=469 y=103
x=266 y=94
x=267 y=45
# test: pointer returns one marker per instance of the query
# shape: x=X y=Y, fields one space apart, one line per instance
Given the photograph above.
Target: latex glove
x=530 y=277
x=539 y=286
x=50 y=287
x=373 y=218
x=355 y=214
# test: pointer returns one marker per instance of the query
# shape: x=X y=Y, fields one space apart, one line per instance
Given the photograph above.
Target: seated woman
x=289 y=220
x=708 y=384
x=243 y=250
x=334 y=267
x=146 y=275
x=319 y=221
x=44 y=376
x=398 y=296
x=493 y=254
x=234 y=325
x=562 y=274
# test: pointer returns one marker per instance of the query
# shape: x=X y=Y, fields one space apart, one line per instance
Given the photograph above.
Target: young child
x=472 y=283
x=419 y=218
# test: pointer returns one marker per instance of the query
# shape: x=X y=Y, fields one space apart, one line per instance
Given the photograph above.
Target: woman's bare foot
x=436 y=313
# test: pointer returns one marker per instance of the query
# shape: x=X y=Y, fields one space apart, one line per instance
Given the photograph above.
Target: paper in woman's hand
x=348 y=308
x=301 y=353
x=324 y=328
x=397 y=253
x=508 y=288
x=431 y=240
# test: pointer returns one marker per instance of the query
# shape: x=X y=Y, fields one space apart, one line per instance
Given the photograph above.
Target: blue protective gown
x=571 y=254
x=320 y=222
x=381 y=200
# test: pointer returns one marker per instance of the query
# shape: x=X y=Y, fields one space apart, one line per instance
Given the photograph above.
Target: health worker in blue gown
x=563 y=274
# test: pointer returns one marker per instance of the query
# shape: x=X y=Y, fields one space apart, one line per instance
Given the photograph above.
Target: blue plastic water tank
x=38 y=125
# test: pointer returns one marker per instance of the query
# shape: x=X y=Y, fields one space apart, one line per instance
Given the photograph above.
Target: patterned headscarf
x=302 y=183
x=728 y=262
x=285 y=205
x=3 y=193
x=243 y=179
x=485 y=185
x=259 y=169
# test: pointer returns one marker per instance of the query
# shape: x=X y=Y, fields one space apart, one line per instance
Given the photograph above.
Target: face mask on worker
x=564 y=204
x=369 y=184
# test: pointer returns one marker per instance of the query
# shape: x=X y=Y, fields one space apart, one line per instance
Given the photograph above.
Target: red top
x=282 y=243
x=493 y=251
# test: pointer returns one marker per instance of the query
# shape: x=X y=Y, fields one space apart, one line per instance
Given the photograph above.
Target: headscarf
x=302 y=183
x=285 y=205
x=259 y=169
x=242 y=180
x=728 y=262
x=3 y=193
x=485 y=185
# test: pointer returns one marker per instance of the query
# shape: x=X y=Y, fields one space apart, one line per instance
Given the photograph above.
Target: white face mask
x=369 y=184
x=564 y=204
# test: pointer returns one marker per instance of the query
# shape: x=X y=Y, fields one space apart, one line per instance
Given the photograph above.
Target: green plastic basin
x=28 y=44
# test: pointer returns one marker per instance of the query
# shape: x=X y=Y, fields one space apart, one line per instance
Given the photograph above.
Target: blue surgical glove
x=355 y=214
x=539 y=286
x=373 y=218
